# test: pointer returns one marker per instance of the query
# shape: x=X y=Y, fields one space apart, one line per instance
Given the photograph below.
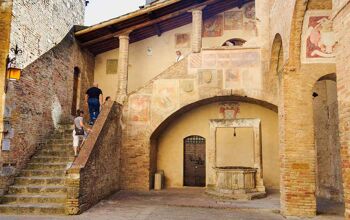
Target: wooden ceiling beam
x=148 y=23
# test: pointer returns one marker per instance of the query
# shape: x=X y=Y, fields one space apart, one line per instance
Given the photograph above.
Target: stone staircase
x=40 y=187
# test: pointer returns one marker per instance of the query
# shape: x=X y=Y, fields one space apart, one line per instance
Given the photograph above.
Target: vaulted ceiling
x=149 y=21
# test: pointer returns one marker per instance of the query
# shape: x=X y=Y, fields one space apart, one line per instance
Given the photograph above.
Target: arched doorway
x=75 y=98
x=194 y=161
x=329 y=183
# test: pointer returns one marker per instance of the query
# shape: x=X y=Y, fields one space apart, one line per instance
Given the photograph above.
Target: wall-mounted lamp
x=234 y=132
x=12 y=73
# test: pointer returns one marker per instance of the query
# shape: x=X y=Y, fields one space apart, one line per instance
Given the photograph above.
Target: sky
x=102 y=10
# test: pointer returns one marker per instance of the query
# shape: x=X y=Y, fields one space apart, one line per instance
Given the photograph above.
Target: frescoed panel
x=182 y=40
x=233 y=20
x=188 y=91
x=213 y=27
x=139 y=108
x=249 y=11
x=318 y=38
x=232 y=79
x=165 y=98
x=250 y=27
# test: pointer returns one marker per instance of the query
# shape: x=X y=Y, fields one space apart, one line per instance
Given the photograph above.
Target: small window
x=234 y=42
x=112 y=66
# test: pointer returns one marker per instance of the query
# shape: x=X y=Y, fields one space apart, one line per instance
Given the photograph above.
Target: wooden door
x=194 y=161
x=75 y=90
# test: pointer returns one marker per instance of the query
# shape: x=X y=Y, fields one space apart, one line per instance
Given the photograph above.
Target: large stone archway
x=199 y=77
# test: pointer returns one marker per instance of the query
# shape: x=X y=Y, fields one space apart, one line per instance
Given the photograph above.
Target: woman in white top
x=79 y=130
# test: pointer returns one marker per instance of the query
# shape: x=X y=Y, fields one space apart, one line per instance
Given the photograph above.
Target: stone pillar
x=297 y=144
x=197 y=25
x=123 y=62
x=258 y=157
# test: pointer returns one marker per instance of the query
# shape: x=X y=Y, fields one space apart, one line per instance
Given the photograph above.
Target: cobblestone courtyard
x=185 y=204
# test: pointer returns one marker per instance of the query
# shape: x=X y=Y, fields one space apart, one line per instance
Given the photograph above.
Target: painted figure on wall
x=249 y=11
x=139 y=108
x=232 y=79
x=182 y=40
x=233 y=20
x=320 y=37
x=213 y=27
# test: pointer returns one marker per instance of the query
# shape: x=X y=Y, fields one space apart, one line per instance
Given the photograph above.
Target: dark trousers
x=94 y=108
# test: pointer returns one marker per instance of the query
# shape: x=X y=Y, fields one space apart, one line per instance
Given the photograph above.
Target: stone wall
x=341 y=27
x=329 y=175
x=39 y=25
x=42 y=99
x=95 y=173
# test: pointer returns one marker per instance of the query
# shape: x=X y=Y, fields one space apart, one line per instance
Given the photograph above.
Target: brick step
x=34 y=189
x=60 y=141
x=67 y=126
x=30 y=198
x=58 y=147
x=33 y=209
x=44 y=152
x=59 y=135
x=51 y=159
x=43 y=181
x=42 y=166
x=43 y=173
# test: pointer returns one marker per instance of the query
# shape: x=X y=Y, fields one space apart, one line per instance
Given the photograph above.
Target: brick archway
x=298 y=158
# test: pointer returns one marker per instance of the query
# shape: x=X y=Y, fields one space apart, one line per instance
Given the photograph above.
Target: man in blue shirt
x=94 y=99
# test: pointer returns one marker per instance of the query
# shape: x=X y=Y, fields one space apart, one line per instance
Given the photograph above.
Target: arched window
x=234 y=42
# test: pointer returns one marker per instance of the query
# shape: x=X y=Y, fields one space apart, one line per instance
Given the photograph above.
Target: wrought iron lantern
x=13 y=73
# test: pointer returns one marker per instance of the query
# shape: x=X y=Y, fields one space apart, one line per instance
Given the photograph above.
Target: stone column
x=197 y=25
x=258 y=156
x=123 y=62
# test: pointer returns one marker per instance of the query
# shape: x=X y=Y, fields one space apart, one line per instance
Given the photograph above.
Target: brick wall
x=95 y=173
x=42 y=98
x=341 y=27
x=39 y=25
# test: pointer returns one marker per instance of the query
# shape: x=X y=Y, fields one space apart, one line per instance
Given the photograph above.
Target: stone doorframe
x=212 y=149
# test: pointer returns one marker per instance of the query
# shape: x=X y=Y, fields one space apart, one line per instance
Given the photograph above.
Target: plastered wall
x=230 y=151
x=150 y=57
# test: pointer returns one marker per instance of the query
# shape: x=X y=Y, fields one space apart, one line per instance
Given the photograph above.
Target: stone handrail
x=95 y=172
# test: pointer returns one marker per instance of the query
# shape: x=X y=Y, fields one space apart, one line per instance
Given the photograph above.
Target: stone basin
x=235 y=182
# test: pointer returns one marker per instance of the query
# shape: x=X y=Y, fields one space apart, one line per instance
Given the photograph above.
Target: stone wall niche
x=235 y=182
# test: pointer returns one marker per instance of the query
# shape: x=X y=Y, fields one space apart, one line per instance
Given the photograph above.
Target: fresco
x=318 y=38
x=233 y=20
x=249 y=11
x=182 y=40
x=213 y=27
x=165 y=96
x=232 y=79
x=139 y=108
x=229 y=110
x=188 y=91
x=250 y=27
